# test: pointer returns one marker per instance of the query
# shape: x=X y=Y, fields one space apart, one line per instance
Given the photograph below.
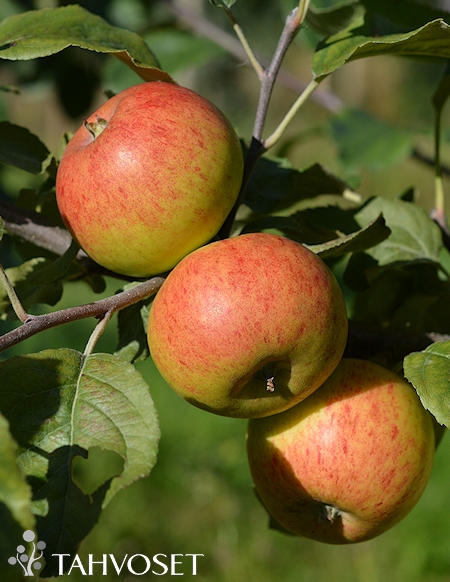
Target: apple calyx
x=330 y=512
x=95 y=128
x=267 y=375
x=270 y=386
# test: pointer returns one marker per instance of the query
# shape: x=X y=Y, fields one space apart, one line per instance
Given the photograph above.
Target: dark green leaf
x=275 y=184
x=331 y=20
x=297 y=227
x=410 y=297
x=430 y=40
x=408 y=14
x=328 y=231
x=40 y=33
x=365 y=140
x=415 y=236
x=371 y=235
x=59 y=405
x=384 y=292
x=20 y=148
x=356 y=273
x=429 y=373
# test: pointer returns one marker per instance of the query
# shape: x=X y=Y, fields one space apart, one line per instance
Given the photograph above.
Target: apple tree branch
x=99 y=309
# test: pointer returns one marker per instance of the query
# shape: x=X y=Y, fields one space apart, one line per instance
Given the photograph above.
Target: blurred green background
x=199 y=497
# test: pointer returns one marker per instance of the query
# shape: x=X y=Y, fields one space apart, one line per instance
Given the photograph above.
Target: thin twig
x=277 y=134
x=259 y=69
x=12 y=296
x=97 y=309
x=439 y=204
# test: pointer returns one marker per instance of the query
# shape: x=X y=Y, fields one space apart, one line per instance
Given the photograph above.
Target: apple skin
x=154 y=184
x=347 y=463
x=248 y=326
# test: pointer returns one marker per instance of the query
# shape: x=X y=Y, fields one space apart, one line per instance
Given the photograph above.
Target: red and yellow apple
x=348 y=462
x=248 y=326
x=149 y=177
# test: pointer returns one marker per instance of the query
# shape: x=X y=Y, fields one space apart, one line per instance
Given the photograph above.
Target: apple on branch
x=248 y=326
x=149 y=177
x=347 y=463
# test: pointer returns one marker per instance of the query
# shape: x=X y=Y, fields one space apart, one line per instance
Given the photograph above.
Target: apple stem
x=259 y=69
x=95 y=128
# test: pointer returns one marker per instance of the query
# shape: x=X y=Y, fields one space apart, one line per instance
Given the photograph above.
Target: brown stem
x=36 y=324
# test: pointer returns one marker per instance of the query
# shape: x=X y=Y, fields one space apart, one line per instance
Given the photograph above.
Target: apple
x=149 y=177
x=348 y=462
x=248 y=326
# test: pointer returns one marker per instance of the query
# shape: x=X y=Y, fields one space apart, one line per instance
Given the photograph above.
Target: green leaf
x=40 y=33
x=430 y=40
x=297 y=227
x=363 y=139
x=59 y=405
x=414 y=237
x=222 y=3
x=15 y=493
x=328 y=231
x=275 y=184
x=20 y=148
x=429 y=372
x=406 y=13
x=361 y=240
x=411 y=297
x=333 y=19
